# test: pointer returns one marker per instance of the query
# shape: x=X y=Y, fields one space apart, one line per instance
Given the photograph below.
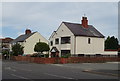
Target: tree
x=17 y=49
x=111 y=43
x=5 y=52
x=41 y=47
x=106 y=42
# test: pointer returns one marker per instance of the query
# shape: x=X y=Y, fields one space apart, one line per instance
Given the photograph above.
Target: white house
x=76 y=39
x=28 y=41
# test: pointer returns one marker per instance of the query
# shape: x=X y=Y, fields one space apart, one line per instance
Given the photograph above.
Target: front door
x=53 y=54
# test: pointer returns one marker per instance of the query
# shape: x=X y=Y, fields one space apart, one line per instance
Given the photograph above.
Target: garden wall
x=65 y=60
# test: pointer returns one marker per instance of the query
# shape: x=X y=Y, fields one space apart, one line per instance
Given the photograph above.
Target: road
x=32 y=71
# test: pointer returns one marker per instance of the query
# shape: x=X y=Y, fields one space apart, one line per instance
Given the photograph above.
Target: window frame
x=51 y=43
x=57 y=42
x=66 y=38
x=89 y=40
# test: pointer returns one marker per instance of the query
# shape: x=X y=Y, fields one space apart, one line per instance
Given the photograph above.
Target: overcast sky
x=45 y=17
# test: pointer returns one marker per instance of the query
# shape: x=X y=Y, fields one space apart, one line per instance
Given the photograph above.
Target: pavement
x=17 y=70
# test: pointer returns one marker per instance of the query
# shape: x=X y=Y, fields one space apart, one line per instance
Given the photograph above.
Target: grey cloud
x=46 y=17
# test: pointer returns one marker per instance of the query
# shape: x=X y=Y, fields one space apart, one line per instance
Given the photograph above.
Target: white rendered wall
x=95 y=47
x=110 y=53
x=62 y=31
x=31 y=42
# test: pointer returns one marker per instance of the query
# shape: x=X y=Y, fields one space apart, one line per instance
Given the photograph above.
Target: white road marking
x=21 y=69
x=9 y=68
x=21 y=77
x=67 y=66
x=18 y=76
x=13 y=68
x=113 y=62
x=57 y=64
x=87 y=63
x=58 y=76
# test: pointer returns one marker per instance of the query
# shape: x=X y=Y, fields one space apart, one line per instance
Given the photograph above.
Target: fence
x=65 y=60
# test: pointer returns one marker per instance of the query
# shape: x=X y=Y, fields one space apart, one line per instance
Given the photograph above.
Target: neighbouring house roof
x=6 y=40
x=78 y=30
x=22 y=38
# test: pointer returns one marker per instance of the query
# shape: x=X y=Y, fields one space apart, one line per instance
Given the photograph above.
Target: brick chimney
x=27 y=31
x=84 y=22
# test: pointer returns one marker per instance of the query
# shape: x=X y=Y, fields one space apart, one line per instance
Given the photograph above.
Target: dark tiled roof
x=6 y=40
x=21 y=38
x=78 y=30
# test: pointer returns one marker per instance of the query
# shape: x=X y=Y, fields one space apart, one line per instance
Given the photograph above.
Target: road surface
x=32 y=71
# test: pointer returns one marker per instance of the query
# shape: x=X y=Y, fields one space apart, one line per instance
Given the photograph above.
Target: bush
x=46 y=55
x=5 y=52
x=41 y=47
x=66 y=55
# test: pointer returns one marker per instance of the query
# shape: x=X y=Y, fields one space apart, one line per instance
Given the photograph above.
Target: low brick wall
x=65 y=60
x=35 y=59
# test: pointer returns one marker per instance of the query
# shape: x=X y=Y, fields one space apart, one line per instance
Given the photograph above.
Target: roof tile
x=78 y=30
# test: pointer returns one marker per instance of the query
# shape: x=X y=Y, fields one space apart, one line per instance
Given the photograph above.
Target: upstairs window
x=39 y=40
x=89 y=40
x=57 y=41
x=65 y=40
x=51 y=43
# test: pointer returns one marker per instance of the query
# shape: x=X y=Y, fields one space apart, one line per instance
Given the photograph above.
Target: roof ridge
x=71 y=22
x=22 y=37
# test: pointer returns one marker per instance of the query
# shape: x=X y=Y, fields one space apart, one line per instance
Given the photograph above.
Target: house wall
x=95 y=47
x=79 y=44
x=31 y=42
x=110 y=53
x=62 y=31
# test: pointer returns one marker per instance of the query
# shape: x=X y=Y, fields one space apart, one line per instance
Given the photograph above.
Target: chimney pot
x=27 y=31
x=84 y=22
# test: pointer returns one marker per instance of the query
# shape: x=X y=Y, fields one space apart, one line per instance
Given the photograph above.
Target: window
x=64 y=52
x=57 y=41
x=89 y=40
x=51 y=43
x=65 y=40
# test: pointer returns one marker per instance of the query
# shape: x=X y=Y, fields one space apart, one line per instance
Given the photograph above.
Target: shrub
x=66 y=55
x=46 y=55
x=5 y=52
x=41 y=47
